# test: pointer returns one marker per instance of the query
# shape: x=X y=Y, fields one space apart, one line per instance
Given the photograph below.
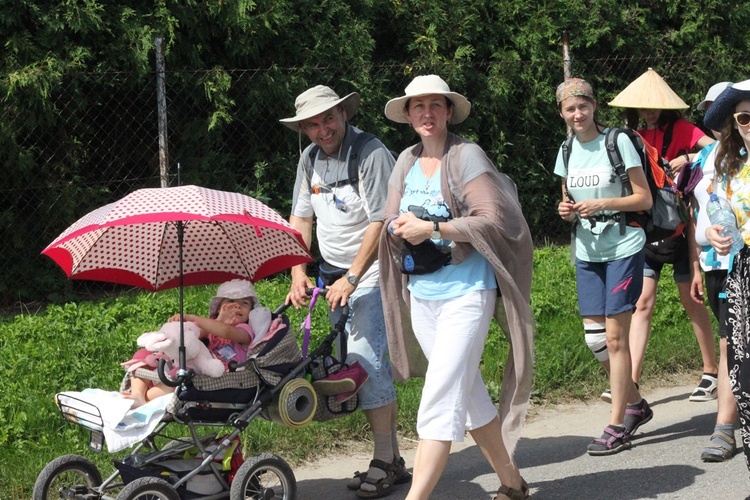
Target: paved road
x=663 y=463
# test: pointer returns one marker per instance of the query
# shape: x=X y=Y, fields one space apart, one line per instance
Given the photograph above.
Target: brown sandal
x=512 y=493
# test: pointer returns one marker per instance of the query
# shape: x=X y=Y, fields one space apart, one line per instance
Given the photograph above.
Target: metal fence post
x=161 y=106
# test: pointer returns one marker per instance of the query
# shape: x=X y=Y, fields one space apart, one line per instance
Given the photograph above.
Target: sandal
x=718 y=452
x=383 y=485
x=513 y=493
x=706 y=390
x=613 y=440
x=403 y=475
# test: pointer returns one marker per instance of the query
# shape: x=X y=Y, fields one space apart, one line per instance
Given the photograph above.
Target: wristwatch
x=435 y=231
x=352 y=279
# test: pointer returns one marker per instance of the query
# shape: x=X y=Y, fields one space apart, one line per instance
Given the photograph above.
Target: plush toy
x=143 y=358
x=166 y=342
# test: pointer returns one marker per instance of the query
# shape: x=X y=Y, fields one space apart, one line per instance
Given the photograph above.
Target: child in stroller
x=273 y=383
x=236 y=320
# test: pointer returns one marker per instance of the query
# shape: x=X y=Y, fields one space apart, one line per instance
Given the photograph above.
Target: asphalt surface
x=663 y=463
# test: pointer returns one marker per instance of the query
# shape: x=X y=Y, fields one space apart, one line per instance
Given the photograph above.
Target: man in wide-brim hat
x=348 y=210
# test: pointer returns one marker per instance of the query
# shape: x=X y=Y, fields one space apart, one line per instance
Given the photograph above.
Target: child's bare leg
x=158 y=390
x=138 y=391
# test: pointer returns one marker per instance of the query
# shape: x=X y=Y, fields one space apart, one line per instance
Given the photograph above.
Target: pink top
x=230 y=350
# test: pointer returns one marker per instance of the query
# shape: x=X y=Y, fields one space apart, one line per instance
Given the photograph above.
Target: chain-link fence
x=94 y=138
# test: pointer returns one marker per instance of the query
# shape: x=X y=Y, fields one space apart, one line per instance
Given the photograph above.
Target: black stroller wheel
x=68 y=476
x=264 y=477
x=148 y=488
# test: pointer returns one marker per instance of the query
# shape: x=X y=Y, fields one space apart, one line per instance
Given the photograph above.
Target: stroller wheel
x=264 y=477
x=148 y=488
x=65 y=477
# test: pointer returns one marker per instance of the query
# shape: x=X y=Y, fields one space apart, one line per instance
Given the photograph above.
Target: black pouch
x=667 y=251
x=423 y=258
x=426 y=257
x=328 y=273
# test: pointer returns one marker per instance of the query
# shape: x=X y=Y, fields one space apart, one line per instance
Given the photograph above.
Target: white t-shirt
x=709 y=259
x=340 y=233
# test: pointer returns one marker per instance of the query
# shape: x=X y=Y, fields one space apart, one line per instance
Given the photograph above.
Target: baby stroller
x=274 y=384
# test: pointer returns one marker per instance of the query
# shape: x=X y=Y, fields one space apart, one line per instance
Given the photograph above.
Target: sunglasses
x=742 y=118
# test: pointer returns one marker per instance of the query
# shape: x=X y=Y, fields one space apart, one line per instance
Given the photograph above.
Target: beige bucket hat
x=318 y=99
x=427 y=85
x=648 y=91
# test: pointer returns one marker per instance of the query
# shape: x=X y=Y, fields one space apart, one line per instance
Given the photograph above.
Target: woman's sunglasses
x=742 y=118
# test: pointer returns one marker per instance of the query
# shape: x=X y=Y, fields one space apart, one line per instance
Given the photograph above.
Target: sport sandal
x=613 y=440
x=403 y=475
x=384 y=485
x=513 y=493
x=720 y=448
x=636 y=415
x=706 y=390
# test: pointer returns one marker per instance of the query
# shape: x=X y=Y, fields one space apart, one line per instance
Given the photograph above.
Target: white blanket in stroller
x=122 y=427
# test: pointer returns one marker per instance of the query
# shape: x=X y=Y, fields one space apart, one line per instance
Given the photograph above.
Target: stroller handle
x=323 y=291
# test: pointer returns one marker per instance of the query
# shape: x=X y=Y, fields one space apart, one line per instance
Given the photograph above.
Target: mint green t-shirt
x=590 y=175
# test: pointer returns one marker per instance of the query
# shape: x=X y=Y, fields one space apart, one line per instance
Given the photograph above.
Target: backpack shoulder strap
x=667 y=139
x=355 y=158
x=566 y=146
x=309 y=165
x=615 y=158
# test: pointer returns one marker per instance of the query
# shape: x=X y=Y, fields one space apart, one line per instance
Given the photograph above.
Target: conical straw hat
x=648 y=91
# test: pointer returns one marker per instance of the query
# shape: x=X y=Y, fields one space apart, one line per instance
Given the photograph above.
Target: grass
x=80 y=345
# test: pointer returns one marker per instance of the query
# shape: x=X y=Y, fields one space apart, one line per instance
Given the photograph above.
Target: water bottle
x=719 y=212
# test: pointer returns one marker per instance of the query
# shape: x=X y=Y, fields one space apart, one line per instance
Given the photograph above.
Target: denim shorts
x=368 y=344
x=609 y=288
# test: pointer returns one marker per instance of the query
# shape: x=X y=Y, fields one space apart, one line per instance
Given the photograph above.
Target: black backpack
x=354 y=159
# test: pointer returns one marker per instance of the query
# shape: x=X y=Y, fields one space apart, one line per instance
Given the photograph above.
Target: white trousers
x=452 y=333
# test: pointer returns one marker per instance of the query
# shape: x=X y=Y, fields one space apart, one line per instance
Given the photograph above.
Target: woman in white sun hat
x=456 y=251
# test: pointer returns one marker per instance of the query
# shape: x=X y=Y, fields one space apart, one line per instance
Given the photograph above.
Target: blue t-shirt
x=472 y=274
x=590 y=175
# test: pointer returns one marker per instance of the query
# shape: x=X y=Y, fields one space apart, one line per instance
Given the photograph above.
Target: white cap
x=234 y=289
x=712 y=94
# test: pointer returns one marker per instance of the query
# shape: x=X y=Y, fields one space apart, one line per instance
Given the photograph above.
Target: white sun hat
x=428 y=85
x=234 y=289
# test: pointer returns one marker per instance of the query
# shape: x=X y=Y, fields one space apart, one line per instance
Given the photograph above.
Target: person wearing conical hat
x=675 y=138
x=730 y=114
x=348 y=214
x=609 y=263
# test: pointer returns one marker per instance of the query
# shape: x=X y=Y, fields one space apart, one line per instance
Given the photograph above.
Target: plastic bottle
x=719 y=212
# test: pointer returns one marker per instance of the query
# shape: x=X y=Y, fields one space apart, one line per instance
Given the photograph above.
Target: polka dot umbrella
x=173 y=237
x=136 y=240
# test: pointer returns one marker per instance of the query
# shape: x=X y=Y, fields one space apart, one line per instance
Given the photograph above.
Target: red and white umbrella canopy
x=134 y=241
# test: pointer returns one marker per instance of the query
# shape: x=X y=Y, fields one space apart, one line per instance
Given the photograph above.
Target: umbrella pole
x=183 y=363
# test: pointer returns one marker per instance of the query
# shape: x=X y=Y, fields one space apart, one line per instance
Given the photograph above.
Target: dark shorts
x=681 y=266
x=715 y=283
x=609 y=288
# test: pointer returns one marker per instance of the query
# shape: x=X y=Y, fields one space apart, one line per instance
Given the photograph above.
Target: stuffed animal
x=166 y=342
x=143 y=358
